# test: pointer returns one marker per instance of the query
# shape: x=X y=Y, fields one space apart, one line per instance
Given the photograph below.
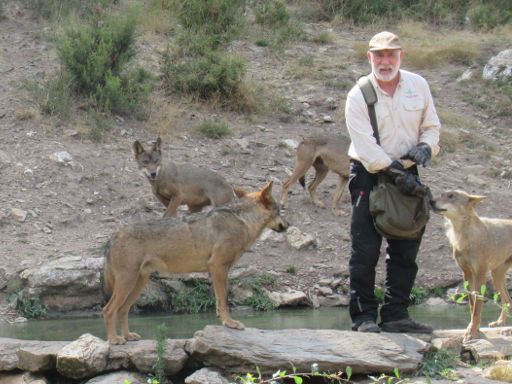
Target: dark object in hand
x=420 y=154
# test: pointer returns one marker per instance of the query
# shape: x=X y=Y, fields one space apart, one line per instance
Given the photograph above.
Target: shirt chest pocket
x=414 y=105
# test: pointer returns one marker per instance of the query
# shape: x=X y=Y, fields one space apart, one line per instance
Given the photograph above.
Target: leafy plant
x=31 y=308
x=272 y=13
x=438 y=363
x=53 y=96
x=161 y=344
x=281 y=376
x=196 y=298
x=418 y=295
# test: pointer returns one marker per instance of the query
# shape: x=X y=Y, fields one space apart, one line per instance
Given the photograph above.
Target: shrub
x=272 y=13
x=31 y=308
x=96 y=56
x=215 y=74
x=489 y=15
x=221 y=19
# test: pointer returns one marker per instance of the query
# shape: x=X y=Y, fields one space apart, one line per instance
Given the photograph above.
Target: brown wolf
x=324 y=153
x=479 y=244
x=209 y=241
x=175 y=184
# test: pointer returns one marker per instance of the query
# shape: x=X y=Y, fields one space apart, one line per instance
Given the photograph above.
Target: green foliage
x=161 y=344
x=196 y=298
x=99 y=124
x=481 y=15
x=438 y=363
x=96 y=55
x=291 y=269
x=214 y=130
x=271 y=13
x=213 y=75
x=379 y=294
x=260 y=300
x=282 y=376
x=31 y=308
x=221 y=19
x=418 y=295
x=489 y=15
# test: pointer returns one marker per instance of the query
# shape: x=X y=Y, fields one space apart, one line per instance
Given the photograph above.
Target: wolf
x=479 y=245
x=175 y=184
x=202 y=242
x=324 y=153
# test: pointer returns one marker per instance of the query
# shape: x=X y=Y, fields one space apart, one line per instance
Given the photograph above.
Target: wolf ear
x=239 y=192
x=158 y=144
x=266 y=194
x=475 y=199
x=137 y=148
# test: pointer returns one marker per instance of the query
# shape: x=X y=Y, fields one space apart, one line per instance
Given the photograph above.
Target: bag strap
x=370 y=97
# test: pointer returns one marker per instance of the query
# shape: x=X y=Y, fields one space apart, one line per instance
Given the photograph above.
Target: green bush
x=215 y=74
x=272 y=13
x=31 y=308
x=221 y=19
x=96 y=55
x=491 y=14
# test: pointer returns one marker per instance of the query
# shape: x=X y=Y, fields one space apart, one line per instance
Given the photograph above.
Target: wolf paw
x=132 y=336
x=117 y=340
x=235 y=324
x=497 y=323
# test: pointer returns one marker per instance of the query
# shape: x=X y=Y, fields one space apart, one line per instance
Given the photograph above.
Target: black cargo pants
x=401 y=265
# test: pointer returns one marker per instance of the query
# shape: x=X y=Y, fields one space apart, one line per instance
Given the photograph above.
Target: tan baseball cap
x=384 y=40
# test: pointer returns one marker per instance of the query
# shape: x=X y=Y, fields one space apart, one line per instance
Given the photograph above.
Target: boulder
x=499 y=67
x=205 y=375
x=120 y=377
x=242 y=351
x=84 y=357
x=40 y=357
x=141 y=356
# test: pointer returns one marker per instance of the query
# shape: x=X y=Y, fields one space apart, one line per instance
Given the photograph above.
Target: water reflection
x=184 y=325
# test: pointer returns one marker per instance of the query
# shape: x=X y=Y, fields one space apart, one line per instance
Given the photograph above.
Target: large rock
x=85 y=357
x=118 y=378
x=499 y=67
x=40 y=357
x=9 y=352
x=141 y=356
x=205 y=375
x=269 y=350
x=67 y=283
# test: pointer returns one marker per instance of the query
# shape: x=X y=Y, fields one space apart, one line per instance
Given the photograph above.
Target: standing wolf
x=175 y=184
x=204 y=242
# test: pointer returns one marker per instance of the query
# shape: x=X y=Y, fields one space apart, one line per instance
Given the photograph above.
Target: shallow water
x=184 y=325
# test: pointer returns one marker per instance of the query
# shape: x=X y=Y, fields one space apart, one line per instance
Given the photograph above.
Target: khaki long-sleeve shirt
x=404 y=120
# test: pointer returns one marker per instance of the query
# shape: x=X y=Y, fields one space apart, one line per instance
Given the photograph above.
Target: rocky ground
x=52 y=206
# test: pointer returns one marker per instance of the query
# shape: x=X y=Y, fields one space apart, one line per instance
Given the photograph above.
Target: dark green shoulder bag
x=395 y=215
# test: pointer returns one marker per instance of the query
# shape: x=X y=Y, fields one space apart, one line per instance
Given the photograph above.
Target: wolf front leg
x=219 y=274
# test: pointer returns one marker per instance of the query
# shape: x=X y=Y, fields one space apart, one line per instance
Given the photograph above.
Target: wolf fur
x=202 y=242
x=176 y=184
x=324 y=153
x=479 y=245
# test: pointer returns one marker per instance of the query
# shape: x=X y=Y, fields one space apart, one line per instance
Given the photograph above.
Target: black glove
x=420 y=154
x=395 y=169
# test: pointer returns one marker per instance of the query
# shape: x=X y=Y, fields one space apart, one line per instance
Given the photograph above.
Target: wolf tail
x=107 y=278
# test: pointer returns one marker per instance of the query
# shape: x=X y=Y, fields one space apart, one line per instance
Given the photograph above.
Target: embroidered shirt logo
x=410 y=93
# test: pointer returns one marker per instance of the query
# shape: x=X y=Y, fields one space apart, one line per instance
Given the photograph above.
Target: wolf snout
x=282 y=225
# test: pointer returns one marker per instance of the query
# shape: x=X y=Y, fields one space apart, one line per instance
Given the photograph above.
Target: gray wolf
x=324 y=153
x=175 y=184
x=202 y=242
x=479 y=245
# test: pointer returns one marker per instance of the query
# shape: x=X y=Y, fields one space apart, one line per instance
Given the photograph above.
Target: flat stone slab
x=241 y=351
